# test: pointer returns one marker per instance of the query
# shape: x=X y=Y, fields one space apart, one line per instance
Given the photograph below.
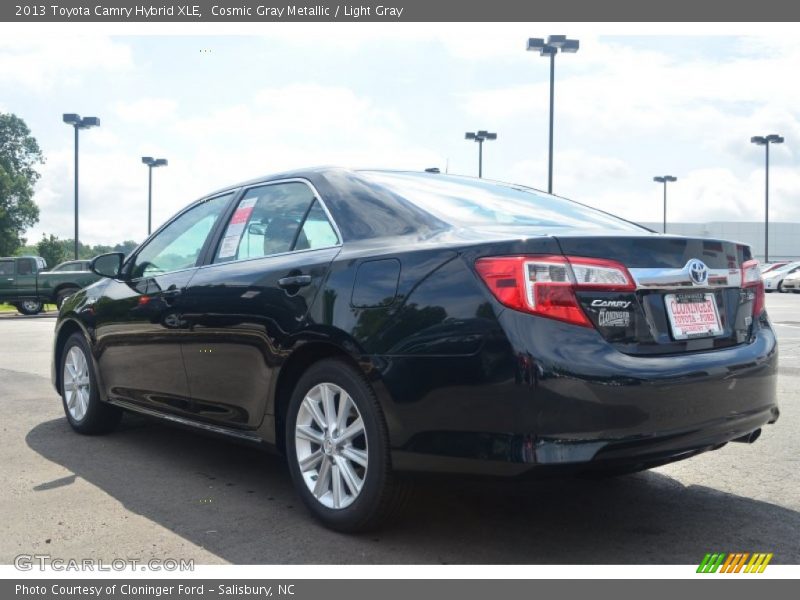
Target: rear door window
x=275 y=219
x=7 y=267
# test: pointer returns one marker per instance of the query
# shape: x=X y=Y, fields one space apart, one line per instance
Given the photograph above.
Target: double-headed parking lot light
x=765 y=141
x=480 y=137
x=77 y=124
x=550 y=48
x=665 y=180
x=151 y=164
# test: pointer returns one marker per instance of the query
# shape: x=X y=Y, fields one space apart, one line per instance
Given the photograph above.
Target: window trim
x=28 y=260
x=209 y=258
x=223 y=217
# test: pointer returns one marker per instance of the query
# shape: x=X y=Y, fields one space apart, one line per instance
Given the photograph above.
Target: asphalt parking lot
x=151 y=491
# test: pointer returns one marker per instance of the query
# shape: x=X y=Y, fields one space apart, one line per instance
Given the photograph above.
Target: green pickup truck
x=26 y=285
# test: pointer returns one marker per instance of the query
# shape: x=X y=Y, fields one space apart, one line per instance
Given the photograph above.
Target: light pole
x=151 y=163
x=78 y=123
x=766 y=141
x=551 y=48
x=480 y=137
x=665 y=179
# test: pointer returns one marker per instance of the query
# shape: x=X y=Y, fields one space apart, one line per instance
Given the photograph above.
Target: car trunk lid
x=689 y=292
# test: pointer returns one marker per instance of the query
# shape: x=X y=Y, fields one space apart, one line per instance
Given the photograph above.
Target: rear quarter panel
x=437 y=343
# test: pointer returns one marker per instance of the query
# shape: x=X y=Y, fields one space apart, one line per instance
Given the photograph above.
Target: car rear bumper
x=578 y=403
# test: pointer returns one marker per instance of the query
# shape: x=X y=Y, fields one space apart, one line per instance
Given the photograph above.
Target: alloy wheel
x=331 y=445
x=77 y=385
x=30 y=305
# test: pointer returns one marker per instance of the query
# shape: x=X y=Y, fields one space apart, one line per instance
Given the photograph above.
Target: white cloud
x=41 y=63
x=275 y=129
x=623 y=114
x=149 y=109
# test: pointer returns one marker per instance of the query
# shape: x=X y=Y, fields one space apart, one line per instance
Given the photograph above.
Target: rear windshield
x=470 y=202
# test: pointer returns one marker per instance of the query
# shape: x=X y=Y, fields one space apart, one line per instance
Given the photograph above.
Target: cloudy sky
x=224 y=108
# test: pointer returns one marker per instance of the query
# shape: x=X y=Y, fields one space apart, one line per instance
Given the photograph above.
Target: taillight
x=546 y=285
x=751 y=279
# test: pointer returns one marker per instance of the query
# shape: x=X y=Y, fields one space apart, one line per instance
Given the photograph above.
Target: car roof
x=313 y=172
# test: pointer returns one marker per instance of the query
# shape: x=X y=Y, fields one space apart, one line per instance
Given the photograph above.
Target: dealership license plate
x=693 y=315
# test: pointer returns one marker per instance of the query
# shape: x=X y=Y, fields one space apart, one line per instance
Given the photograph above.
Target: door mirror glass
x=107 y=265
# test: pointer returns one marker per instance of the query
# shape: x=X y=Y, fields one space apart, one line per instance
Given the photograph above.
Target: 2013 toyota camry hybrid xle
x=371 y=323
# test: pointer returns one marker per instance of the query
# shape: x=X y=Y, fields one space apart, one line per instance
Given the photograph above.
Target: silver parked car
x=791 y=283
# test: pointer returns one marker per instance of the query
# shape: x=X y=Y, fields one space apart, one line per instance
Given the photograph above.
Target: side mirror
x=107 y=265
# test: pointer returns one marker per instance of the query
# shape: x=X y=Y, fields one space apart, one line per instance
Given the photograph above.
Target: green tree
x=51 y=249
x=126 y=247
x=19 y=155
x=85 y=251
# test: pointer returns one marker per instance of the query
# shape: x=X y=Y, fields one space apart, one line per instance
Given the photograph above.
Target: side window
x=274 y=219
x=6 y=267
x=178 y=245
x=25 y=266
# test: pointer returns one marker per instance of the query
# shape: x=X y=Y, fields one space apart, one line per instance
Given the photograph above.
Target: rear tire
x=85 y=411
x=780 y=287
x=30 y=307
x=346 y=479
x=63 y=294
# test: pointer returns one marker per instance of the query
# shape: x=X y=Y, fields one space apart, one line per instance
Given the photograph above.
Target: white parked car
x=774 y=279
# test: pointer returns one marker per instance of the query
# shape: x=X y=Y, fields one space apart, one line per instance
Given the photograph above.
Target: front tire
x=85 y=411
x=30 y=307
x=338 y=449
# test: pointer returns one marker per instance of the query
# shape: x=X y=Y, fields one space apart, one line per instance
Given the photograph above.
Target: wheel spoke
x=311 y=461
x=350 y=478
x=71 y=399
x=328 y=406
x=84 y=397
x=355 y=455
x=313 y=408
x=308 y=433
x=354 y=429
x=69 y=386
x=344 y=411
x=71 y=370
x=323 y=479
x=337 y=486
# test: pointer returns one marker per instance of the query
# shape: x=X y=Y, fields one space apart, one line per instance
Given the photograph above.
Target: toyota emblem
x=698 y=271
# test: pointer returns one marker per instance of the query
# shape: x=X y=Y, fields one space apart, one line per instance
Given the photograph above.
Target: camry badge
x=698 y=271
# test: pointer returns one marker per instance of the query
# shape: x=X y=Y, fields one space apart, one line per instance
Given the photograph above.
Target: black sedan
x=371 y=323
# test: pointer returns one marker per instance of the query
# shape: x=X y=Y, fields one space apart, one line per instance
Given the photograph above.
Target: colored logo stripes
x=734 y=563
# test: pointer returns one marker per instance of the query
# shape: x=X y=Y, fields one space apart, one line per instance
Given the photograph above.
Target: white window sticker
x=229 y=246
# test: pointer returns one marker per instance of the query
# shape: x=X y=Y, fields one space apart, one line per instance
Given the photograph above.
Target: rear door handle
x=294 y=281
